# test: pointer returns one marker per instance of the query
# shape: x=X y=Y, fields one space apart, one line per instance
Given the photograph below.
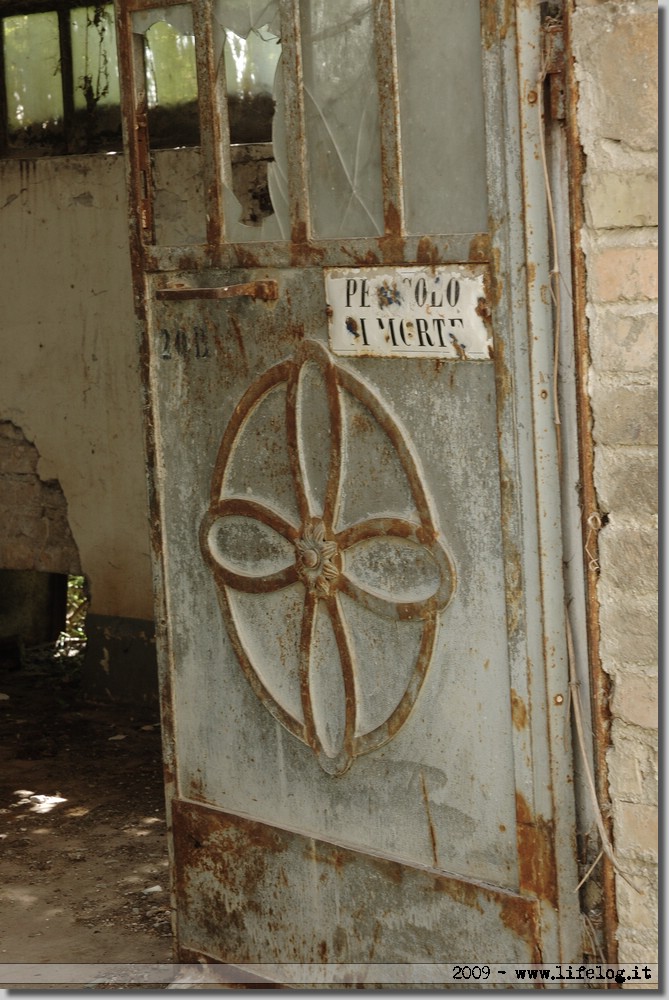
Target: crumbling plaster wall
x=70 y=378
x=615 y=49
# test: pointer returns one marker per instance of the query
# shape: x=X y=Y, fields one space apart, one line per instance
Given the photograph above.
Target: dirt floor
x=83 y=862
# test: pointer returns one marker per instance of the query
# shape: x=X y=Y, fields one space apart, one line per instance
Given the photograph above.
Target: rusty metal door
x=347 y=352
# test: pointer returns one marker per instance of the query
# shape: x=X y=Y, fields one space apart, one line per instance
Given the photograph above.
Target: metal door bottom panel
x=238 y=879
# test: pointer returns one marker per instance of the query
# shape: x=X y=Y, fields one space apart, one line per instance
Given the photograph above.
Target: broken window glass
x=247 y=52
x=33 y=81
x=442 y=120
x=250 y=68
x=342 y=118
x=171 y=75
x=247 y=35
x=172 y=107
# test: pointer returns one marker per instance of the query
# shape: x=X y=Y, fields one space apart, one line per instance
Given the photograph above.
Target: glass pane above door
x=442 y=118
x=342 y=118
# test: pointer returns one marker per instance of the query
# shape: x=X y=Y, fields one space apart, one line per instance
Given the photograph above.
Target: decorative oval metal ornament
x=324 y=555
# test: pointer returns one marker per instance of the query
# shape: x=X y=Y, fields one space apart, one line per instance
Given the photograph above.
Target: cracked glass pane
x=247 y=36
x=250 y=68
x=342 y=118
x=171 y=75
x=174 y=129
x=441 y=111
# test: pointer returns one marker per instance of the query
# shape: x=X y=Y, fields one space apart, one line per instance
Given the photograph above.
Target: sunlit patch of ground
x=83 y=857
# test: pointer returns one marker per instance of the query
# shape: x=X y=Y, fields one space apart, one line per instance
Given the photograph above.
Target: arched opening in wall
x=83 y=858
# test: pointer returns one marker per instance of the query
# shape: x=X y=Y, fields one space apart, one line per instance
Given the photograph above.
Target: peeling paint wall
x=615 y=49
x=70 y=379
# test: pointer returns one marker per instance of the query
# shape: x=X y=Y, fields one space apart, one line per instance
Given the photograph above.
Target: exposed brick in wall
x=615 y=49
x=34 y=530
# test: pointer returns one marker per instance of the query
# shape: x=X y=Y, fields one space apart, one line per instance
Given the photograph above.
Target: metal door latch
x=267 y=290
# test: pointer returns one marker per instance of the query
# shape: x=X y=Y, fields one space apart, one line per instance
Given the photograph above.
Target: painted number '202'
x=182 y=343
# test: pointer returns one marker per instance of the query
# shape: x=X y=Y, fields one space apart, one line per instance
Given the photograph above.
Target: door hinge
x=553 y=66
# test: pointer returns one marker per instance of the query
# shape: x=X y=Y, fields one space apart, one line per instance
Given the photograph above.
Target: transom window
x=59 y=79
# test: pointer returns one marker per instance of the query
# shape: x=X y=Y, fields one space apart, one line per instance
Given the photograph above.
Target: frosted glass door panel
x=442 y=121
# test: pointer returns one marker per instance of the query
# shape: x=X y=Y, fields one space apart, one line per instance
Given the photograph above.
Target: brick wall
x=34 y=530
x=615 y=50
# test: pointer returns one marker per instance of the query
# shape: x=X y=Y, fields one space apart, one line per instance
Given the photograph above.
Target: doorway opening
x=83 y=858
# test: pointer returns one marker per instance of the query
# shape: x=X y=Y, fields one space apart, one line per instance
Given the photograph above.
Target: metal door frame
x=521 y=317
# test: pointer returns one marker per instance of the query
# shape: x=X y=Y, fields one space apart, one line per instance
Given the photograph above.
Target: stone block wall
x=615 y=52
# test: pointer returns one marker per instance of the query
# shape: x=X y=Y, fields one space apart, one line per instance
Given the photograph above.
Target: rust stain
x=267 y=290
x=303 y=252
x=196 y=786
x=222 y=859
x=483 y=311
x=237 y=330
x=427 y=252
x=376 y=937
x=167 y=734
x=338 y=858
x=393 y=221
x=480 y=248
x=536 y=853
x=325 y=854
x=369 y=259
x=298 y=234
x=361 y=423
x=503 y=378
x=493 y=283
x=246 y=258
x=430 y=824
x=390 y=870
x=493 y=30
x=522 y=919
x=513 y=573
x=459 y=349
x=201 y=827
x=231 y=853
x=392 y=245
x=467 y=893
x=518 y=711
x=488 y=23
x=188 y=261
